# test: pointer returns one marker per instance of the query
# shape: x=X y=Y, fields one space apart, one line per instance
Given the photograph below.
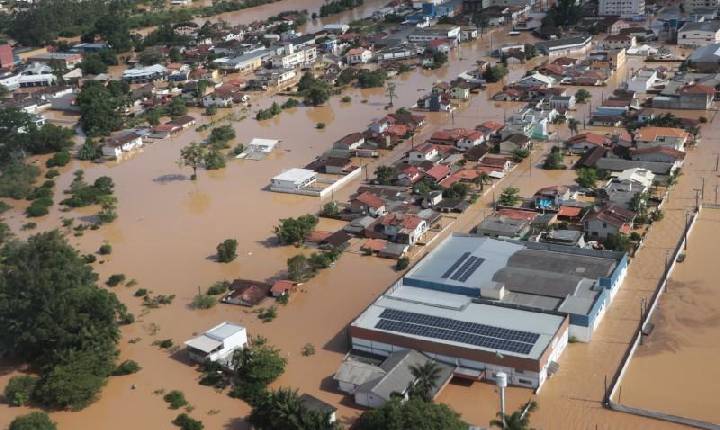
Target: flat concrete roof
x=295 y=175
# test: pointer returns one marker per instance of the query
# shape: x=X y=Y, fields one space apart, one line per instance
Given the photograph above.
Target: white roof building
x=218 y=343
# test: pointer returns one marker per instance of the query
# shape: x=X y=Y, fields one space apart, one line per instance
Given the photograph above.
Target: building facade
x=622 y=8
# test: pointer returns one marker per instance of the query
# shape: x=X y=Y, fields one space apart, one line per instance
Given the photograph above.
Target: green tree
x=220 y=136
x=554 y=159
x=254 y=367
x=509 y=197
x=67 y=327
x=495 y=73
x=89 y=151
x=385 y=175
x=299 y=268
x=193 y=156
x=582 y=95
x=99 y=108
x=426 y=378
x=412 y=414
x=92 y=64
x=214 y=159
x=19 y=389
x=292 y=231
x=33 y=421
x=586 y=177
x=177 y=107
x=518 y=420
x=185 y=422
x=372 y=79
x=227 y=250
x=282 y=409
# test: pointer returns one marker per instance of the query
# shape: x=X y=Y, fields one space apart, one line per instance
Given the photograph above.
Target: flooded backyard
x=168 y=228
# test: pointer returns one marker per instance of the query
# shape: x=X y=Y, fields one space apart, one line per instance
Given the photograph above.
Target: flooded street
x=684 y=340
x=168 y=227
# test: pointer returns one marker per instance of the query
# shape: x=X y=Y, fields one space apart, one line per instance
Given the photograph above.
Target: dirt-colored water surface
x=684 y=343
x=168 y=228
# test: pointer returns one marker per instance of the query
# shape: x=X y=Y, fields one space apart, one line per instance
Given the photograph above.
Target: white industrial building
x=293 y=180
x=217 y=344
x=486 y=305
x=621 y=8
x=699 y=33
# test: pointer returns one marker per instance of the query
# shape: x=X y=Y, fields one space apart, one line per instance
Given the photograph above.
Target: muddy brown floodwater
x=683 y=347
x=168 y=228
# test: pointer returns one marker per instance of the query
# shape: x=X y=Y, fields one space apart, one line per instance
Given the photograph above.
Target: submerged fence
x=637 y=339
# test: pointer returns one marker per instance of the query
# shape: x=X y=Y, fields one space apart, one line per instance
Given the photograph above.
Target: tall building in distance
x=621 y=8
x=691 y=6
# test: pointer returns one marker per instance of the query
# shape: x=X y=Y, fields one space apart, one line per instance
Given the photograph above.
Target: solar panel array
x=463 y=267
x=481 y=335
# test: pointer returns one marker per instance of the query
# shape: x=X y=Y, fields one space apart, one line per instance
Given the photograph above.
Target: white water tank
x=501 y=379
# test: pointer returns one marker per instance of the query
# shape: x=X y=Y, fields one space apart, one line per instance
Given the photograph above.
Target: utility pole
x=390 y=92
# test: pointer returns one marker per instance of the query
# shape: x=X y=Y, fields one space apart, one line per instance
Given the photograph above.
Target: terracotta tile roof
x=517 y=214
x=491 y=126
x=698 y=89
x=371 y=200
x=317 y=236
x=614 y=215
x=678 y=155
x=438 y=171
x=375 y=245
x=593 y=138
x=569 y=211
x=649 y=134
x=281 y=287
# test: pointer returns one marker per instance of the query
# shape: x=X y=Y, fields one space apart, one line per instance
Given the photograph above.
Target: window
x=524 y=381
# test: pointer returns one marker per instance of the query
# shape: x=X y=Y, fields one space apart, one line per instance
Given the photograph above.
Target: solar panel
x=473 y=267
x=438 y=333
x=455 y=265
x=463 y=268
x=460 y=326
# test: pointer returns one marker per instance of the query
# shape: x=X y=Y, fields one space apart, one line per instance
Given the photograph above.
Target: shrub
x=211 y=110
x=290 y=103
x=127 y=367
x=19 y=389
x=227 y=250
x=402 y=263
x=308 y=350
x=105 y=249
x=141 y=292
x=16 y=180
x=176 y=399
x=218 y=288
x=164 y=344
x=115 y=280
x=59 y=159
x=186 y=423
x=203 y=301
x=320 y=125
x=127 y=318
x=33 y=421
x=37 y=208
x=346 y=99
x=269 y=314
x=89 y=258
x=635 y=236
x=52 y=173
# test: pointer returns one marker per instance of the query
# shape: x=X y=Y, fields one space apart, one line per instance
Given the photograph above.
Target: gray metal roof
x=398 y=378
x=706 y=54
x=617 y=165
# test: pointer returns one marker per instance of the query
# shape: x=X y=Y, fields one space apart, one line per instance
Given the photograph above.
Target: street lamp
x=501 y=381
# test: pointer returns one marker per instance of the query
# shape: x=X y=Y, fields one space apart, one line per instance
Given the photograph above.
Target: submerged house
x=217 y=344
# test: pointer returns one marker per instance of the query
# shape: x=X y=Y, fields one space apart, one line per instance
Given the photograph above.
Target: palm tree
x=482 y=179
x=518 y=420
x=426 y=376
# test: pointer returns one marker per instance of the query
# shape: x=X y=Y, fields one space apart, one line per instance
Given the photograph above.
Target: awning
x=203 y=343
